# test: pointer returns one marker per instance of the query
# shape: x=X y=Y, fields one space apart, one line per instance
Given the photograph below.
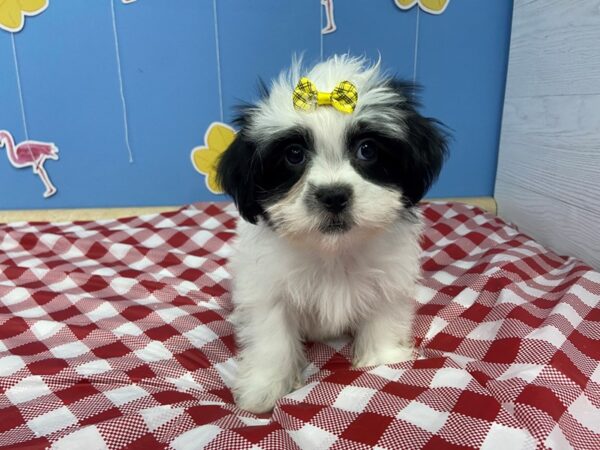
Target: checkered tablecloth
x=114 y=334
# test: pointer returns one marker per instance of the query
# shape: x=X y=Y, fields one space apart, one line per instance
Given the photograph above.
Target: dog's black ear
x=235 y=174
x=428 y=142
x=429 y=147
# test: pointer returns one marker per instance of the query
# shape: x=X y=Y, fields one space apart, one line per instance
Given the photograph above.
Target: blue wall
x=71 y=90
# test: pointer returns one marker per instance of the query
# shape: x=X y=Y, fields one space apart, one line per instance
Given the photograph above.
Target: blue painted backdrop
x=71 y=91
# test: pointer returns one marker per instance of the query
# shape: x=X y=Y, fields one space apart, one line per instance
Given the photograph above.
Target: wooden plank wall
x=548 y=180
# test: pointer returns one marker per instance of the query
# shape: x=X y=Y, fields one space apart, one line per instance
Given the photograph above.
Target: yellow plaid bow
x=343 y=97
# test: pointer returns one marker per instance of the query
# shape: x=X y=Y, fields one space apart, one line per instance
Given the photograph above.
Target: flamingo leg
x=50 y=189
x=330 y=27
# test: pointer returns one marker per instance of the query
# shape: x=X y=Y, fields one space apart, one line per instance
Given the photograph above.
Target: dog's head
x=325 y=172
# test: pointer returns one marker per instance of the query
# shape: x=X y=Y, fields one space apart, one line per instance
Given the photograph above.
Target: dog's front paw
x=259 y=395
x=391 y=355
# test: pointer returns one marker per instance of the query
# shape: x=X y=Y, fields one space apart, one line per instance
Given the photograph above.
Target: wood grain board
x=548 y=179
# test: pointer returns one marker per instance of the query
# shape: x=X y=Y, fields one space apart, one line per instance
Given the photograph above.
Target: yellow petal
x=435 y=6
x=33 y=6
x=212 y=184
x=12 y=12
x=204 y=160
x=406 y=4
x=11 y=18
x=219 y=137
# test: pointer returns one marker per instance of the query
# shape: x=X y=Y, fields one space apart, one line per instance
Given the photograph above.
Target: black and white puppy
x=329 y=241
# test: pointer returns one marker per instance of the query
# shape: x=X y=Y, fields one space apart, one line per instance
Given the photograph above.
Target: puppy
x=327 y=170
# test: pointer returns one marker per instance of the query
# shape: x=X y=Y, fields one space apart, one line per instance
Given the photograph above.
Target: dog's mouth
x=336 y=224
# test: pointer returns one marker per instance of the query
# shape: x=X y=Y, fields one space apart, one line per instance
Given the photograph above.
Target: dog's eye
x=366 y=151
x=295 y=155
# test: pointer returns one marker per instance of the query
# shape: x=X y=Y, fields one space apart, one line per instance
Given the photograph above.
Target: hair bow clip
x=307 y=97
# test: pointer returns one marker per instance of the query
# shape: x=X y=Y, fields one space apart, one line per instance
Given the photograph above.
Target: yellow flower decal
x=13 y=12
x=217 y=139
x=430 y=6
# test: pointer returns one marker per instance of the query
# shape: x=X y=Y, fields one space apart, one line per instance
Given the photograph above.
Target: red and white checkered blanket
x=114 y=334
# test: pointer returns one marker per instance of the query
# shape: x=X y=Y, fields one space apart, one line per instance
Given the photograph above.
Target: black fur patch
x=257 y=177
x=413 y=160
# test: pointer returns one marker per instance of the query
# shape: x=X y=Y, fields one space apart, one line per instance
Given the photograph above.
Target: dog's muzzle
x=333 y=203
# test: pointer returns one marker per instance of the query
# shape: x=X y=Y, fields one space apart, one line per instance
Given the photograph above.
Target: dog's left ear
x=235 y=174
x=429 y=146
x=427 y=140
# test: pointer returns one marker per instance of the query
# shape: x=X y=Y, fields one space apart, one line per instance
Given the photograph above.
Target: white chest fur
x=326 y=293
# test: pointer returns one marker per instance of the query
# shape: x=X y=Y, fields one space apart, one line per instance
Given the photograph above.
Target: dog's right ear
x=235 y=174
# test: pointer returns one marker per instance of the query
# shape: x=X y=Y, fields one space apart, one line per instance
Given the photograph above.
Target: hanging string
x=20 y=92
x=218 y=54
x=121 y=89
x=321 y=28
x=416 y=44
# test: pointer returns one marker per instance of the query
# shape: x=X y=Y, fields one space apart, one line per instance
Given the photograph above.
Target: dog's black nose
x=334 y=198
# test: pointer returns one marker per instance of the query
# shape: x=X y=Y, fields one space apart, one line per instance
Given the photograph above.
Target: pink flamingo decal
x=31 y=154
x=330 y=27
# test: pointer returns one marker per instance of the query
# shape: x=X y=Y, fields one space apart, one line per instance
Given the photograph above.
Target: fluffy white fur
x=376 y=100
x=293 y=283
x=286 y=292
